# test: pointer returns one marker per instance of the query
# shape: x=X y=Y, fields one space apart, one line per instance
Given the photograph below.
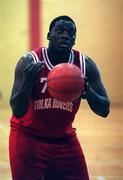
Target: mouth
x=65 y=44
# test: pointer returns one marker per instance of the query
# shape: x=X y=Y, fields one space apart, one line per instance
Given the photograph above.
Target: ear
x=48 y=35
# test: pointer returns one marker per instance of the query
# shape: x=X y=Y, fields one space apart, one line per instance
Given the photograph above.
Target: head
x=62 y=33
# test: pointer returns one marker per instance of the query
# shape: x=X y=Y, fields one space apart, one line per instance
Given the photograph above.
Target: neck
x=57 y=57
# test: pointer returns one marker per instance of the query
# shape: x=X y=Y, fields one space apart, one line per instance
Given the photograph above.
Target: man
x=43 y=143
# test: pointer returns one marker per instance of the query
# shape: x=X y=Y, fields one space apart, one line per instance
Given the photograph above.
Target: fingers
x=36 y=68
x=31 y=72
x=33 y=68
x=86 y=79
x=86 y=88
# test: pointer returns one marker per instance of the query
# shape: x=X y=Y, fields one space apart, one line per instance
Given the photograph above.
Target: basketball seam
x=62 y=77
x=62 y=91
x=65 y=91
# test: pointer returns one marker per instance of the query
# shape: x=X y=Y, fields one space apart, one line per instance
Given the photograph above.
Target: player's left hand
x=86 y=89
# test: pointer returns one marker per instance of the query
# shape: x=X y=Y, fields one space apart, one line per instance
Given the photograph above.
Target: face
x=62 y=36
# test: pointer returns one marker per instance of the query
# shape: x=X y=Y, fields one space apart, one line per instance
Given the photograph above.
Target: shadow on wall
x=0 y=95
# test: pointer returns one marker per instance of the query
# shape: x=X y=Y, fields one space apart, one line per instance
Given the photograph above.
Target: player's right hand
x=31 y=72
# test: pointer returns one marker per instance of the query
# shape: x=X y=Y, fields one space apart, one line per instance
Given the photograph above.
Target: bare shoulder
x=23 y=62
x=90 y=62
x=91 y=67
x=25 y=59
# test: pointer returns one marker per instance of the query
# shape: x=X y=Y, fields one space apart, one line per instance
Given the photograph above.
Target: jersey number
x=43 y=80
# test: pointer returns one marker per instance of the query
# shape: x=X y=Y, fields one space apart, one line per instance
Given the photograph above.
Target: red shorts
x=33 y=158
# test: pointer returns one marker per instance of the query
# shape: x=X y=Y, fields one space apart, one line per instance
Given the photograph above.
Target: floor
x=100 y=138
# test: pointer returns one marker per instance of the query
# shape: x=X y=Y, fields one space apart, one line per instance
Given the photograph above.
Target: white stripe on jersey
x=47 y=58
x=44 y=58
x=71 y=59
x=82 y=64
x=34 y=56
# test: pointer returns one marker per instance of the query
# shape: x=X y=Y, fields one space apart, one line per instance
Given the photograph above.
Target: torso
x=47 y=116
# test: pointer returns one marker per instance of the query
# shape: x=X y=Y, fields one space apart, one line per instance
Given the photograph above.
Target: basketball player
x=43 y=143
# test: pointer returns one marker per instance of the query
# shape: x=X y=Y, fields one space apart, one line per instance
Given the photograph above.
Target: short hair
x=64 y=17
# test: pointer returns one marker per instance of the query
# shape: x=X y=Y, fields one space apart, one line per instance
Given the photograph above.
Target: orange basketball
x=65 y=82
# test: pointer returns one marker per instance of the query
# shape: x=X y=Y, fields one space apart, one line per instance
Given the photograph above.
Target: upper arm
x=19 y=70
x=94 y=77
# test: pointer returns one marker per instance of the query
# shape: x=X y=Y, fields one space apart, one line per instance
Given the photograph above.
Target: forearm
x=20 y=100
x=99 y=104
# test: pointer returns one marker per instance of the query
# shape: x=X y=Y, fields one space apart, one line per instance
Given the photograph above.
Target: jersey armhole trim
x=82 y=63
x=34 y=56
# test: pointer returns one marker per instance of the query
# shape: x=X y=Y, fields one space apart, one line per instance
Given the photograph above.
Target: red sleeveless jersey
x=47 y=116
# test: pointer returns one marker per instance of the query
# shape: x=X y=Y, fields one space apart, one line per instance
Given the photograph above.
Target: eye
x=59 y=30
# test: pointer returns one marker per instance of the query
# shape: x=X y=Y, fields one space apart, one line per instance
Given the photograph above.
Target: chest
x=40 y=89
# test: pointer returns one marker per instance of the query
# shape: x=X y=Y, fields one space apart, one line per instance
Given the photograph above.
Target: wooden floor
x=101 y=140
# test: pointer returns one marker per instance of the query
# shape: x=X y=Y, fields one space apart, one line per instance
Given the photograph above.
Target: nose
x=65 y=34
